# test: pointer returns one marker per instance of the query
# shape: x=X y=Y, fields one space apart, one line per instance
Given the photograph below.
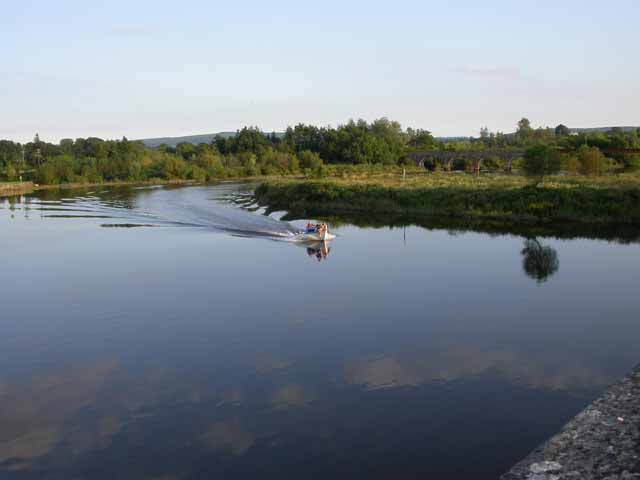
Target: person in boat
x=320 y=228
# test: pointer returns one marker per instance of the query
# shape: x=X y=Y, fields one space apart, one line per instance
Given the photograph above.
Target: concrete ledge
x=602 y=442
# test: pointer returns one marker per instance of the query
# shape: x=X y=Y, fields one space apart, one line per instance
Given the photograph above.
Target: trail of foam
x=224 y=208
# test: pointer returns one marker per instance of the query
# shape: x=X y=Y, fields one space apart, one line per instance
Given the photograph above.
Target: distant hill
x=451 y=139
x=573 y=131
x=194 y=139
x=589 y=130
x=600 y=129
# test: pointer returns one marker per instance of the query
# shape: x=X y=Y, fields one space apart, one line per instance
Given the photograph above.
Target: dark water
x=210 y=346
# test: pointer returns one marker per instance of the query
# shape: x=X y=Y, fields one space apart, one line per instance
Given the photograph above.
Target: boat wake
x=222 y=208
x=227 y=208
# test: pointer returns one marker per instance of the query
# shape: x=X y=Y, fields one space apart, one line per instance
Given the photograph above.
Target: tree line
x=301 y=149
x=251 y=152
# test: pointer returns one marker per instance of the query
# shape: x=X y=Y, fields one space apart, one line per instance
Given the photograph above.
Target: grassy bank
x=611 y=199
x=15 y=188
x=9 y=189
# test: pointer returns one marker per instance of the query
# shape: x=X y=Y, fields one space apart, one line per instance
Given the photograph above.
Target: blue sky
x=143 y=68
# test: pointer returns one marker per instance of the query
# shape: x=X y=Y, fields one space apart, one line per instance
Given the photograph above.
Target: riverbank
x=73 y=186
x=15 y=188
x=602 y=442
x=29 y=187
x=614 y=199
x=23 y=188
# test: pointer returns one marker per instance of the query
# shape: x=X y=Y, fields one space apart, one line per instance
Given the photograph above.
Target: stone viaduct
x=446 y=158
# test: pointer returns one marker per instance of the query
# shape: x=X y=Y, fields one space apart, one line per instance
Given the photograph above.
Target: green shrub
x=632 y=163
x=197 y=173
x=570 y=164
x=541 y=160
x=309 y=160
x=592 y=161
x=46 y=174
x=492 y=163
x=11 y=172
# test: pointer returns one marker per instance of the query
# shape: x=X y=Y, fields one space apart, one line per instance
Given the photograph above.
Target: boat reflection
x=319 y=250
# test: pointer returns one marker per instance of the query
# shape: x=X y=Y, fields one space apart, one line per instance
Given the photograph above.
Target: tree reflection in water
x=539 y=262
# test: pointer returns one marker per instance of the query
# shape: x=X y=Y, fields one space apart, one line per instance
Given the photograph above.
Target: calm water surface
x=207 y=345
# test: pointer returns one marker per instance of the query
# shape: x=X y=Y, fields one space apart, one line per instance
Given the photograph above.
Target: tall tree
x=524 y=131
x=562 y=130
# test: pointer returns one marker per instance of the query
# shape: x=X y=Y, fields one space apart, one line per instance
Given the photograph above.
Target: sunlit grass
x=415 y=179
x=613 y=198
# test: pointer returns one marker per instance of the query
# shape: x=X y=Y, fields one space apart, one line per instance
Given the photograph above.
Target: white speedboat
x=314 y=236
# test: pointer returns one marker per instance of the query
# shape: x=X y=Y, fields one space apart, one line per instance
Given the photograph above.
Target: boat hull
x=315 y=237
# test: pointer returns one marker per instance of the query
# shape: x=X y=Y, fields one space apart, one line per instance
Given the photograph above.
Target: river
x=179 y=333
